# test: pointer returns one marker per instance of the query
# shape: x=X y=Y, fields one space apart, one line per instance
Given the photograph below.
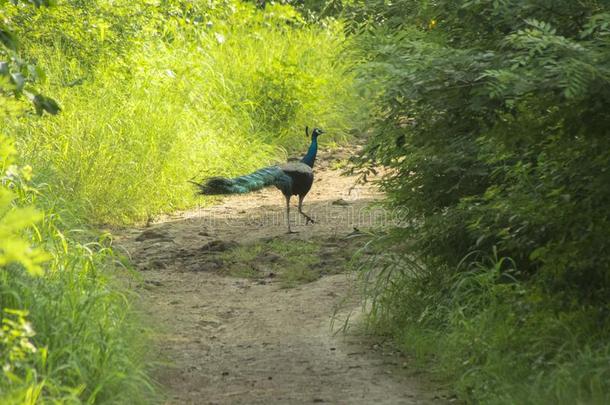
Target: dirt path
x=230 y=340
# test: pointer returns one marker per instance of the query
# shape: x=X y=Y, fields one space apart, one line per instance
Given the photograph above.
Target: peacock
x=292 y=178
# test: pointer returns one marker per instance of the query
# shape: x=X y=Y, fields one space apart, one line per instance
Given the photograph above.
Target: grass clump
x=293 y=263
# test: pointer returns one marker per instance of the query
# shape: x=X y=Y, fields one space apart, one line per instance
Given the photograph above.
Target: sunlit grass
x=127 y=141
x=87 y=342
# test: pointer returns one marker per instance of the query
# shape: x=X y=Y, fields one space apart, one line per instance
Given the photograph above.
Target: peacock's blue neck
x=310 y=158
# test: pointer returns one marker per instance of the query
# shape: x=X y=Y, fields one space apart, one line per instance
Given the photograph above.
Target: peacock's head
x=315 y=133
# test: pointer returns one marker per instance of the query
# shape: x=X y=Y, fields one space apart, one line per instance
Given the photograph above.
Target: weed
x=68 y=331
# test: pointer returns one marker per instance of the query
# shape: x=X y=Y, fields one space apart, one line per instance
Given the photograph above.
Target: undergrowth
x=68 y=333
x=494 y=338
x=491 y=127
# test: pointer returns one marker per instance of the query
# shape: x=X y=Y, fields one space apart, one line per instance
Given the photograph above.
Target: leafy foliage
x=14 y=248
x=17 y=74
x=492 y=117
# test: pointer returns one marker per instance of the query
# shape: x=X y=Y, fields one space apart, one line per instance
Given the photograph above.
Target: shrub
x=492 y=117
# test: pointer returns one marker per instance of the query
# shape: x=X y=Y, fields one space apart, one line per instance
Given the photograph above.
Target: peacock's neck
x=310 y=158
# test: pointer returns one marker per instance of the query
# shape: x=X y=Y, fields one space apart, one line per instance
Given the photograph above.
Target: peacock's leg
x=288 y=214
x=308 y=219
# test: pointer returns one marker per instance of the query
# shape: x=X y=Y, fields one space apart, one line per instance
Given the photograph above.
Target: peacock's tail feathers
x=243 y=184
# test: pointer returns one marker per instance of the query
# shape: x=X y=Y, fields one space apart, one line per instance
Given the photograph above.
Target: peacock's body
x=293 y=178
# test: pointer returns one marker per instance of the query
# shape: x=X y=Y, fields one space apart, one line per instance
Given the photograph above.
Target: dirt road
x=250 y=340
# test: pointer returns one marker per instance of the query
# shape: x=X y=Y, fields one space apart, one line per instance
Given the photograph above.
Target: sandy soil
x=227 y=340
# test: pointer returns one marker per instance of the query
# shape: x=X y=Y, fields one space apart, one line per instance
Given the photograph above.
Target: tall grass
x=497 y=340
x=88 y=345
x=219 y=100
x=68 y=333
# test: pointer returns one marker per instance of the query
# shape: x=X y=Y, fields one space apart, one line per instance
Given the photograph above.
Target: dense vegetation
x=151 y=95
x=155 y=95
x=67 y=330
x=490 y=118
x=493 y=118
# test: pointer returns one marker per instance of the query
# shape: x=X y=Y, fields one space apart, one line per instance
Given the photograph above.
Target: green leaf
x=7 y=39
x=4 y=68
x=18 y=80
x=43 y=103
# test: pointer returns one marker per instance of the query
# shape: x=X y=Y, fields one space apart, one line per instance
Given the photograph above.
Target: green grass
x=129 y=138
x=292 y=262
x=494 y=339
x=69 y=334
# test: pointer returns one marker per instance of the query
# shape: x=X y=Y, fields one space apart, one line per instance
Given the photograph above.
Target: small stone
x=157 y=264
x=152 y=234
x=340 y=202
x=218 y=246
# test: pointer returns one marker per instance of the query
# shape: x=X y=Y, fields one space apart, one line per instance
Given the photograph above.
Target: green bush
x=492 y=117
